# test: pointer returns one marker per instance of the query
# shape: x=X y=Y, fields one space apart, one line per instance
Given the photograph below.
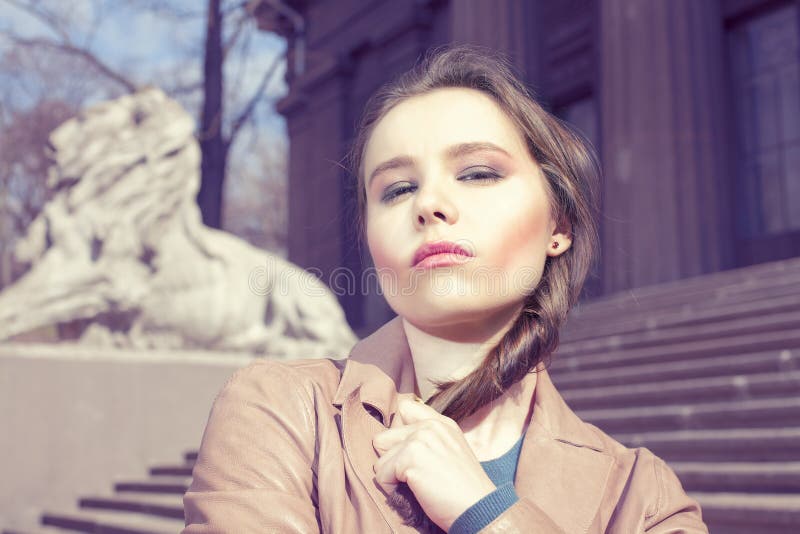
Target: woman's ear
x=560 y=240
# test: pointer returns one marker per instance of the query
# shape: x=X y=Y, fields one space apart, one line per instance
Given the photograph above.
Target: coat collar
x=564 y=465
x=385 y=368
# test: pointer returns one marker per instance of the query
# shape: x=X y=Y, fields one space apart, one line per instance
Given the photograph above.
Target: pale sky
x=156 y=48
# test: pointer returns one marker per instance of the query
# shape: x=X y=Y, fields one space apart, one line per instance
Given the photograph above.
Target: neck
x=495 y=427
x=452 y=351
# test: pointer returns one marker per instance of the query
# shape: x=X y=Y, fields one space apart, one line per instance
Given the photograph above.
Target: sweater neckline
x=512 y=452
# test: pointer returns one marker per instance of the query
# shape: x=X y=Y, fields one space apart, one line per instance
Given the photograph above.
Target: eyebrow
x=452 y=152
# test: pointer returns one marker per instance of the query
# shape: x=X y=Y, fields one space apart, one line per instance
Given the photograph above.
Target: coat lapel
x=564 y=466
x=364 y=416
x=359 y=427
x=379 y=367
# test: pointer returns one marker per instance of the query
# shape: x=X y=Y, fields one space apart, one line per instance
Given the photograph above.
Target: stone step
x=111 y=522
x=778 y=412
x=161 y=479
x=762 y=362
x=674 y=318
x=635 y=303
x=39 y=529
x=734 y=282
x=749 y=513
x=631 y=318
x=165 y=499
x=771 y=321
x=757 y=290
x=722 y=445
x=725 y=346
x=161 y=484
x=746 y=477
x=172 y=470
x=158 y=505
x=730 y=388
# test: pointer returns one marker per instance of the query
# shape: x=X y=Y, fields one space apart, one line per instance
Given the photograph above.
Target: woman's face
x=461 y=173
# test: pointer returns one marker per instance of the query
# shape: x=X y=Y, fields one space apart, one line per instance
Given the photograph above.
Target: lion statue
x=120 y=254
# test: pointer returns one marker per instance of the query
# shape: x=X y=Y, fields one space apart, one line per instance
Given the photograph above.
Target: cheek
x=378 y=244
x=372 y=245
x=523 y=239
x=389 y=273
x=521 y=251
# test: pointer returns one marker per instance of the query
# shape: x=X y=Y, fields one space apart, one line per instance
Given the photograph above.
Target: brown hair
x=572 y=175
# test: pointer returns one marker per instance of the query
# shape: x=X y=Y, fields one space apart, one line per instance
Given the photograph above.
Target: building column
x=314 y=112
x=503 y=25
x=665 y=192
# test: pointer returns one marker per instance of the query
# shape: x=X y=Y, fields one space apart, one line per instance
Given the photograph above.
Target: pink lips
x=438 y=254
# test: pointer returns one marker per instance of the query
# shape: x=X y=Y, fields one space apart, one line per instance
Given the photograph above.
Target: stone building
x=693 y=106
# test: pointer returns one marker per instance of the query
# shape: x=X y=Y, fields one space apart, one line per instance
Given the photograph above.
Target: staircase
x=150 y=506
x=705 y=373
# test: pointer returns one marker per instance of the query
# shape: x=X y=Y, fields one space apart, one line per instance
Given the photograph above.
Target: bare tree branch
x=166 y=8
x=225 y=11
x=244 y=54
x=183 y=88
x=97 y=16
x=241 y=24
x=87 y=56
x=43 y=16
x=251 y=105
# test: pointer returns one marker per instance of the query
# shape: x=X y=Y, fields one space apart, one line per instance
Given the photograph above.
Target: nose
x=432 y=204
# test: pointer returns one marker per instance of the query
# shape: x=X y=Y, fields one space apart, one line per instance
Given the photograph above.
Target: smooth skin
x=491 y=198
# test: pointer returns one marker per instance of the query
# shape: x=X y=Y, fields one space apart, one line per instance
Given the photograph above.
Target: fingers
x=413 y=412
x=401 y=448
x=409 y=411
x=387 y=470
x=389 y=438
x=421 y=434
x=423 y=431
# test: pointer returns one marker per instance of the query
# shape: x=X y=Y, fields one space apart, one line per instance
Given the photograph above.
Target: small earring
x=555 y=244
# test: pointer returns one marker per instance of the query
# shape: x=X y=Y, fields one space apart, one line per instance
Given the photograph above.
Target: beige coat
x=288 y=448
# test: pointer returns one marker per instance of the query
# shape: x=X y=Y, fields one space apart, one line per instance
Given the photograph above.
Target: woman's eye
x=396 y=192
x=476 y=176
x=480 y=175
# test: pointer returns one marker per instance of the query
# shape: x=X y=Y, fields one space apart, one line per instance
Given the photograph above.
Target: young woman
x=478 y=210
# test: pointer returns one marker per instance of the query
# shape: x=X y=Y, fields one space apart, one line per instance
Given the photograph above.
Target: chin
x=440 y=310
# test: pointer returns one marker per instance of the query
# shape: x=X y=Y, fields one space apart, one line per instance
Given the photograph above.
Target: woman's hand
x=428 y=451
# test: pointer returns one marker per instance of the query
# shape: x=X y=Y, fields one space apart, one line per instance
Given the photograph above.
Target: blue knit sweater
x=501 y=471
